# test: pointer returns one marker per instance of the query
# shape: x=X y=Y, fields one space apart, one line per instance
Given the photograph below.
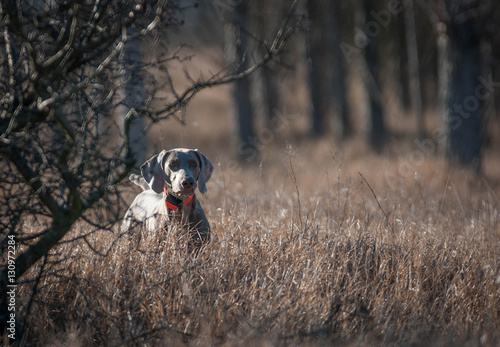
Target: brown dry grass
x=335 y=272
x=298 y=257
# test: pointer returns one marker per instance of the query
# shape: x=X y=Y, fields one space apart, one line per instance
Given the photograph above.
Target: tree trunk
x=465 y=106
x=236 y=51
x=444 y=77
x=268 y=24
x=377 y=130
x=340 y=74
x=270 y=92
x=413 y=66
x=132 y=95
x=402 y=57
x=316 y=54
x=369 y=64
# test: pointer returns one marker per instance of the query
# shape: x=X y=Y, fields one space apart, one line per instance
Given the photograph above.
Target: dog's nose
x=188 y=183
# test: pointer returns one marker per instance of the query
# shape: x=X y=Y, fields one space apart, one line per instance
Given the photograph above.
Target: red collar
x=175 y=203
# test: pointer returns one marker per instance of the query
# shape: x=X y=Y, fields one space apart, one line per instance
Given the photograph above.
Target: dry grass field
x=313 y=244
x=305 y=251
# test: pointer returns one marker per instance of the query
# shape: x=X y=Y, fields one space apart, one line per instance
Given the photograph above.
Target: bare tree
x=61 y=76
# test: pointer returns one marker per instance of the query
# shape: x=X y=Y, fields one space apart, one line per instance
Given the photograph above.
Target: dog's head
x=179 y=170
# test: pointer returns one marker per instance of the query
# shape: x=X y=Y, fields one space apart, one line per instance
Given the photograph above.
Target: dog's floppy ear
x=206 y=169
x=153 y=172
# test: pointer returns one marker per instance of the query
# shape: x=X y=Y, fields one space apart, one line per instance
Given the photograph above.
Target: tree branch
x=276 y=48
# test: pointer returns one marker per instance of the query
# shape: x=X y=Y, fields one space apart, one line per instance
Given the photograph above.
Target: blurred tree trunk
x=465 y=106
x=343 y=124
x=377 y=132
x=132 y=95
x=235 y=38
x=444 y=74
x=402 y=57
x=270 y=91
x=317 y=66
x=268 y=24
x=413 y=66
x=489 y=104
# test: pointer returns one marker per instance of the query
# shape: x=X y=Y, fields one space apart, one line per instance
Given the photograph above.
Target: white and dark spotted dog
x=169 y=180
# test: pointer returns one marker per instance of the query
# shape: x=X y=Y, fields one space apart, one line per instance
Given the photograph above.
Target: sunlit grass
x=420 y=266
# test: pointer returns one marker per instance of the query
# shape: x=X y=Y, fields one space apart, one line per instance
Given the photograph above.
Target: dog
x=169 y=180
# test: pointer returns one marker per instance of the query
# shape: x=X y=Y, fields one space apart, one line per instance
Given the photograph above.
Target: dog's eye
x=172 y=164
x=193 y=164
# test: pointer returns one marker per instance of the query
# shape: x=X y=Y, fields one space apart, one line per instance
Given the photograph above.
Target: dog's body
x=169 y=181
